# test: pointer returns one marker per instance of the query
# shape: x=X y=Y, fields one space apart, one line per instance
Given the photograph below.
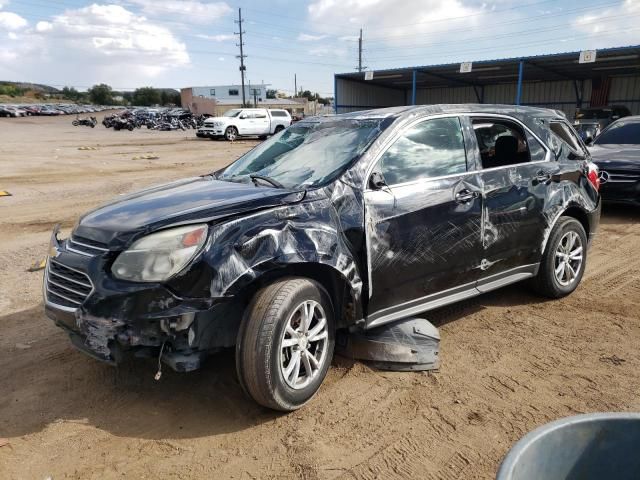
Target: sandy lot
x=510 y=360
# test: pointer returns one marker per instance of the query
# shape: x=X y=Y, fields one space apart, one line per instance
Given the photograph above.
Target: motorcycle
x=87 y=122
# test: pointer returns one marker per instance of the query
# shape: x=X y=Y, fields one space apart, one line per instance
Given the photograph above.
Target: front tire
x=564 y=259
x=285 y=343
x=231 y=134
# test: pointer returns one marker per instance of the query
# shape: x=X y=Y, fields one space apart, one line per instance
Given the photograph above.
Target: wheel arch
x=342 y=296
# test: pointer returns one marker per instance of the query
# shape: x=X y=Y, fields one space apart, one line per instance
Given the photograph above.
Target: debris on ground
x=23 y=346
x=4 y=442
x=87 y=148
x=39 y=265
x=4 y=193
x=148 y=156
x=613 y=359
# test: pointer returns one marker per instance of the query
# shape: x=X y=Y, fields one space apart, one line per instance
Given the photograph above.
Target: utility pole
x=295 y=85
x=360 y=67
x=242 y=56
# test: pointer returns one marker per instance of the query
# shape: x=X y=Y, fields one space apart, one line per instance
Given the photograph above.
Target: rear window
x=620 y=133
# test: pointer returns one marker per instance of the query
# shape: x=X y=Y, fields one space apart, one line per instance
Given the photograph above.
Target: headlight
x=161 y=255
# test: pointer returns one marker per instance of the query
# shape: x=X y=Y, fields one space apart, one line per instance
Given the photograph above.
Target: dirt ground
x=510 y=360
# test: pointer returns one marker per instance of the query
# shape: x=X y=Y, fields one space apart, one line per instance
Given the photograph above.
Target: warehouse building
x=563 y=81
x=215 y=100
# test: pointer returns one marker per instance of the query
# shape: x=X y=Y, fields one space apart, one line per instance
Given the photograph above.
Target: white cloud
x=192 y=10
x=619 y=22
x=221 y=59
x=304 y=37
x=384 y=20
x=98 y=43
x=217 y=38
x=12 y=21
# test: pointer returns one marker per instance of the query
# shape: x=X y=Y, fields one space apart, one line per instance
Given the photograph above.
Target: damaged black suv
x=341 y=222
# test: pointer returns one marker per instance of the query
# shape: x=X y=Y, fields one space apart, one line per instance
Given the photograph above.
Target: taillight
x=594 y=176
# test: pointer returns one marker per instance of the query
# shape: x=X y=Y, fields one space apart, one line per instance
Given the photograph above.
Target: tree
x=71 y=93
x=101 y=94
x=272 y=93
x=146 y=97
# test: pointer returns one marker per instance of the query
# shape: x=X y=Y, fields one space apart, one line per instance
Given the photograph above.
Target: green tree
x=271 y=93
x=146 y=97
x=71 y=93
x=101 y=94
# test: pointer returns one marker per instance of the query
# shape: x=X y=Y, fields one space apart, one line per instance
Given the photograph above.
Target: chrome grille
x=86 y=247
x=65 y=286
x=623 y=177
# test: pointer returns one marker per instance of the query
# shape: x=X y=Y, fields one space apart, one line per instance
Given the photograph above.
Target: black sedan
x=616 y=151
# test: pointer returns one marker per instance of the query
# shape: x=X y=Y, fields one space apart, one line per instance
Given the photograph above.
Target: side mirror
x=377 y=181
x=242 y=117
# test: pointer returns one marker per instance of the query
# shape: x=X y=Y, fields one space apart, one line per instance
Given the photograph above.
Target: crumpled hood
x=618 y=157
x=189 y=200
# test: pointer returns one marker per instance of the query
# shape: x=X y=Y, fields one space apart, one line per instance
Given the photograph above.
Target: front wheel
x=564 y=259
x=231 y=133
x=75 y=123
x=285 y=343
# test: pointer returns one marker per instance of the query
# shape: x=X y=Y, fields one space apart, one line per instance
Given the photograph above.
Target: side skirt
x=453 y=295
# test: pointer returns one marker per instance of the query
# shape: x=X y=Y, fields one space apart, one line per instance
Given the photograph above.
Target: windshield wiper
x=254 y=178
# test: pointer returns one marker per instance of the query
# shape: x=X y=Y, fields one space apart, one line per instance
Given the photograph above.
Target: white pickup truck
x=245 y=122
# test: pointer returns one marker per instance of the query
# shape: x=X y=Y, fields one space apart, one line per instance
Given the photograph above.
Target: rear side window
x=433 y=148
x=503 y=142
x=567 y=136
x=278 y=113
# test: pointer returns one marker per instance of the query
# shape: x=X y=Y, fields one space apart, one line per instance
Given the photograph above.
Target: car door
x=245 y=125
x=423 y=215
x=262 y=122
x=516 y=169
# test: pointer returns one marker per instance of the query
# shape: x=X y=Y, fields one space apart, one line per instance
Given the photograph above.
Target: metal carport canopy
x=552 y=67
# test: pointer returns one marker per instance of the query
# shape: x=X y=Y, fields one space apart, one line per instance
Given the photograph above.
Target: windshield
x=232 y=113
x=307 y=154
x=620 y=133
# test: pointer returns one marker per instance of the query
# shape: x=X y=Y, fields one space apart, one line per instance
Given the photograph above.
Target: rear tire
x=285 y=343
x=278 y=129
x=563 y=261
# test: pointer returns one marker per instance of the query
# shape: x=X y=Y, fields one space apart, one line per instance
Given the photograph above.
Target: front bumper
x=210 y=132
x=116 y=319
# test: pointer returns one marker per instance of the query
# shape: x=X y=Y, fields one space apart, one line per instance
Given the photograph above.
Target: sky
x=175 y=44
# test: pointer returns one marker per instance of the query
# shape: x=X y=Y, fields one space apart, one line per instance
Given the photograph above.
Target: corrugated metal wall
x=626 y=91
x=353 y=96
x=561 y=95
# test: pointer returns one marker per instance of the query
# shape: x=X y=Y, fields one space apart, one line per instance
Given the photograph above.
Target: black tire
x=231 y=134
x=278 y=129
x=130 y=128
x=75 y=123
x=259 y=349
x=547 y=283
x=262 y=137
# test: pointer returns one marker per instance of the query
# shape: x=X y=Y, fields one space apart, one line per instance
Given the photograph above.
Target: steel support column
x=335 y=94
x=413 y=87
x=519 y=91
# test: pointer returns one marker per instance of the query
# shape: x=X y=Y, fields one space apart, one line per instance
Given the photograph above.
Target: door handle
x=465 y=195
x=542 y=176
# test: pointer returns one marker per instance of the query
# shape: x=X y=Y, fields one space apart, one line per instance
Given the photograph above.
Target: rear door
x=423 y=226
x=262 y=122
x=516 y=169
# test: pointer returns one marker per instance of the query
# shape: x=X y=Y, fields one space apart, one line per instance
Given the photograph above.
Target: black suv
x=340 y=222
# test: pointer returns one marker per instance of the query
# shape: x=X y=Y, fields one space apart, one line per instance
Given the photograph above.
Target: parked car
x=589 y=122
x=348 y=221
x=245 y=122
x=616 y=151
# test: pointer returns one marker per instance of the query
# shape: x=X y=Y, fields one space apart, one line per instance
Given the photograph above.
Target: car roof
x=631 y=118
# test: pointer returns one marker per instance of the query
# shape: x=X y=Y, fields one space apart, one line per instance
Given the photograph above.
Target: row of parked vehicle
x=48 y=109
x=153 y=119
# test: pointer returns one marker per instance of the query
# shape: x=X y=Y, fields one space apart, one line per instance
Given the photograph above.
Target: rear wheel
x=285 y=343
x=564 y=259
x=278 y=129
x=75 y=123
x=231 y=133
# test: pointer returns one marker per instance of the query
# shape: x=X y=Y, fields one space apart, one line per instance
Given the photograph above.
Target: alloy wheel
x=303 y=347
x=568 y=258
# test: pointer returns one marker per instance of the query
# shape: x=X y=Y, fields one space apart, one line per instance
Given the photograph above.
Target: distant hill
x=35 y=87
